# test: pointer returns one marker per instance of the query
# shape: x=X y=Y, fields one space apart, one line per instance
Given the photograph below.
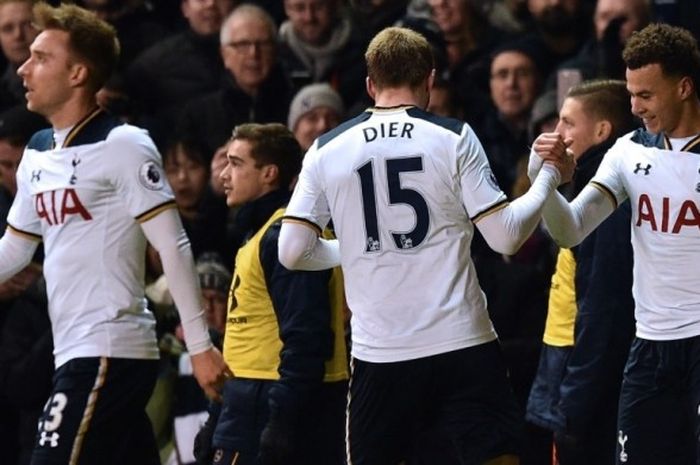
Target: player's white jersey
x=84 y=201
x=663 y=186
x=402 y=187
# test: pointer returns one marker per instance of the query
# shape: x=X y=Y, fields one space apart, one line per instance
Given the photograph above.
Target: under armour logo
x=622 y=439
x=51 y=439
x=75 y=163
x=639 y=168
x=36 y=176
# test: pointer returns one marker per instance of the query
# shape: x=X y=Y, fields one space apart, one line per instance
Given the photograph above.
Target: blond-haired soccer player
x=404 y=189
x=93 y=190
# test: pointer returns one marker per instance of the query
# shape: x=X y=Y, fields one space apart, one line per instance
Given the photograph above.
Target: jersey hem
x=146 y=354
x=375 y=355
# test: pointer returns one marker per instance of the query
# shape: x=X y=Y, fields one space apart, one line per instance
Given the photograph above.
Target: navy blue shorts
x=96 y=414
x=463 y=398
x=659 y=411
x=319 y=435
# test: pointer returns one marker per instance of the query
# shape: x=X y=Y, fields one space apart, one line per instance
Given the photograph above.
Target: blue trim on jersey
x=648 y=139
x=450 y=124
x=335 y=132
x=41 y=140
x=661 y=141
x=95 y=130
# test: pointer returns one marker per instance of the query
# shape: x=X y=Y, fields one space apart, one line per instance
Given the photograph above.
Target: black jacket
x=604 y=325
x=211 y=118
x=346 y=76
x=174 y=71
x=302 y=305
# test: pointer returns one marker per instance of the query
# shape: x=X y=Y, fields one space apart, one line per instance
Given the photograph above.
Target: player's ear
x=686 y=87
x=79 y=74
x=371 y=89
x=270 y=173
x=603 y=130
x=431 y=80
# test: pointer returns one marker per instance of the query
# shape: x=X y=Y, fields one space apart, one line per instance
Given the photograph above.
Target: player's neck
x=688 y=123
x=71 y=112
x=396 y=97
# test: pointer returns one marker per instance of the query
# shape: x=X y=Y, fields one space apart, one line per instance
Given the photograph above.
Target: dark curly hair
x=673 y=48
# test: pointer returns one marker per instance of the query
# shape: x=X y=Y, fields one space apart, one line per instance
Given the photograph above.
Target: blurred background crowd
x=191 y=70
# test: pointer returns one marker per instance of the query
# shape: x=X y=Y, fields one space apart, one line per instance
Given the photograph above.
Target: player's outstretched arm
x=167 y=235
x=16 y=252
x=570 y=223
x=506 y=229
x=301 y=248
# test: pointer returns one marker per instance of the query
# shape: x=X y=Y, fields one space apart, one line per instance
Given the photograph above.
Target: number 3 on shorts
x=53 y=412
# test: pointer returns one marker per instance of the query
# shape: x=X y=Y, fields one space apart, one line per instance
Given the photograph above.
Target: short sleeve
x=22 y=216
x=136 y=171
x=480 y=190
x=308 y=201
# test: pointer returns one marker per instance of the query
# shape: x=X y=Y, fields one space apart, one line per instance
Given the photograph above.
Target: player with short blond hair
x=404 y=189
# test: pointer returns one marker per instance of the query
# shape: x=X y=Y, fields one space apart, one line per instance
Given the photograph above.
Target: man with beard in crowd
x=559 y=28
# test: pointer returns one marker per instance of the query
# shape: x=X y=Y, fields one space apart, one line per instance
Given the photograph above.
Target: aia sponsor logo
x=666 y=217
x=55 y=207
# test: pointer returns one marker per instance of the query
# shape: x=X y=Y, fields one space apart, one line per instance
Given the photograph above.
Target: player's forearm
x=15 y=254
x=569 y=223
x=300 y=248
x=507 y=229
x=168 y=237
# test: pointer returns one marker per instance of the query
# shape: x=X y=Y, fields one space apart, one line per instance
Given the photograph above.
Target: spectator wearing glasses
x=515 y=82
x=255 y=89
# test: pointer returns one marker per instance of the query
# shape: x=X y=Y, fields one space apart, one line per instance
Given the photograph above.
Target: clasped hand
x=551 y=148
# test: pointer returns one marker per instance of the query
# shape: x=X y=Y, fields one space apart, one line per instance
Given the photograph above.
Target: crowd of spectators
x=191 y=70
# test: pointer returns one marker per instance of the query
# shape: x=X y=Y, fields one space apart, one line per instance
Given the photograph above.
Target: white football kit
x=663 y=186
x=84 y=199
x=403 y=188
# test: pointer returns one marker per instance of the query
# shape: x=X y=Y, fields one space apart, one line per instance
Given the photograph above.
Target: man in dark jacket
x=255 y=88
x=318 y=43
x=284 y=336
x=578 y=381
x=179 y=68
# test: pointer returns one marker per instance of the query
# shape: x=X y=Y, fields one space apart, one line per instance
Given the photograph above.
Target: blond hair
x=398 y=57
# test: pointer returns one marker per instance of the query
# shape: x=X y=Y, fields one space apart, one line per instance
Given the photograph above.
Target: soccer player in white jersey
x=658 y=170
x=94 y=191
x=404 y=189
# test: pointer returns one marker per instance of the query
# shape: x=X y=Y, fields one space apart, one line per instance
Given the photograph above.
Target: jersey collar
x=75 y=131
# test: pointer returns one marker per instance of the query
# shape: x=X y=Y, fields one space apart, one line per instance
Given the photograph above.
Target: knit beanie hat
x=212 y=273
x=313 y=96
